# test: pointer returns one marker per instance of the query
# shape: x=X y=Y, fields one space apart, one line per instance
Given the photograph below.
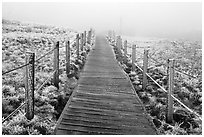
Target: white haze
x=173 y=20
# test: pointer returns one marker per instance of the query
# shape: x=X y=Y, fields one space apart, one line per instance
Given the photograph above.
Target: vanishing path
x=104 y=101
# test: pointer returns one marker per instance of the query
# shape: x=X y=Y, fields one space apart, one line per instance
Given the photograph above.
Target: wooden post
x=77 y=45
x=81 y=41
x=84 y=38
x=125 y=48
x=125 y=51
x=89 y=37
x=145 y=65
x=29 y=85
x=56 y=65
x=133 y=57
x=118 y=43
x=169 y=117
x=67 y=58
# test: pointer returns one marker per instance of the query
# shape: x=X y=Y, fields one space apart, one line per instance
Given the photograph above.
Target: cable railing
x=45 y=54
x=15 y=69
x=170 y=73
x=30 y=71
x=167 y=92
x=14 y=112
x=153 y=60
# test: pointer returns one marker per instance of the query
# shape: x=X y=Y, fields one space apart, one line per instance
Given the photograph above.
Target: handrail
x=17 y=109
x=145 y=80
x=41 y=86
x=171 y=95
x=70 y=43
x=35 y=60
x=156 y=61
x=14 y=112
x=28 y=63
x=180 y=72
x=15 y=69
x=45 y=54
x=176 y=70
x=152 y=79
x=45 y=81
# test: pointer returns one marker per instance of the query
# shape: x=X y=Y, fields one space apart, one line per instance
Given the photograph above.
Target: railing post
x=125 y=50
x=89 y=37
x=81 y=42
x=169 y=115
x=56 y=65
x=119 y=43
x=67 y=58
x=77 y=45
x=145 y=65
x=29 y=85
x=118 y=46
x=84 y=38
x=133 y=57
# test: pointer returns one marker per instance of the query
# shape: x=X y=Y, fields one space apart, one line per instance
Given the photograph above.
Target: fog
x=134 y=19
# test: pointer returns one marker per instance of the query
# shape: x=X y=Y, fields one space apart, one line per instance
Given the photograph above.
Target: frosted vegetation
x=17 y=39
x=188 y=59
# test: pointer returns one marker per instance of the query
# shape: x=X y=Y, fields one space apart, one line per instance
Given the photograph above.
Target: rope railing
x=17 y=109
x=15 y=69
x=167 y=92
x=35 y=60
x=137 y=46
x=14 y=112
x=28 y=63
x=70 y=42
x=41 y=86
x=45 y=54
x=159 y=63
x=170 y=75
x=180 y=72
x=30 y=68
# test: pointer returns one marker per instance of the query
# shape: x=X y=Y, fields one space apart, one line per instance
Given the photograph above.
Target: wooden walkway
x=104 y=101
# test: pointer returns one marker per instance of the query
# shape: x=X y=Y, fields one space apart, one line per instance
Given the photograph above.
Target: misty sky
x=141 y=19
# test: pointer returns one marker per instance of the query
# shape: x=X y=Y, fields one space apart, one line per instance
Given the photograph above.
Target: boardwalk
x=104 y=101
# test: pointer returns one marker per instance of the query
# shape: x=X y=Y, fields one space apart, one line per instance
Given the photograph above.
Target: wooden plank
x=139 y=109
x=105 y=111
x=70 y=129
x=109 y=130
x=110 y=124
x=128 y=120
